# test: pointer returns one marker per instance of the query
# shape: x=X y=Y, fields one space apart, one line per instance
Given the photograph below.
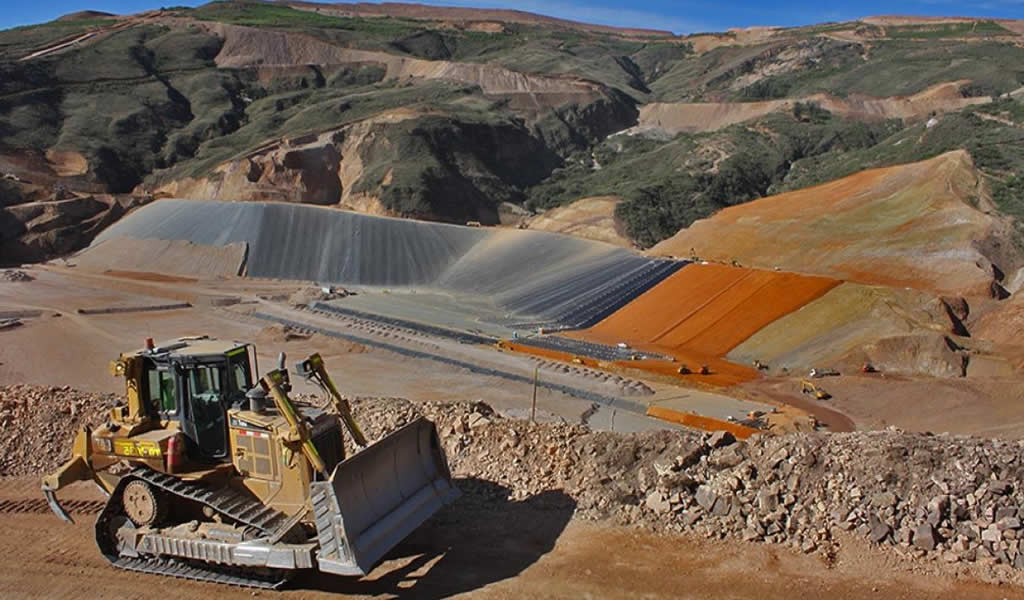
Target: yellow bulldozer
x=215 y=475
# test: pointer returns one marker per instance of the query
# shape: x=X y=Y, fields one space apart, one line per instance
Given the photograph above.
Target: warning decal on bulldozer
x=136 y=448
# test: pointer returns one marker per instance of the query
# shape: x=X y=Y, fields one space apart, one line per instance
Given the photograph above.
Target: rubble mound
x=312 y=294
x=38 y=424
x=16 y=276
x=955 y=499
x=948 y=499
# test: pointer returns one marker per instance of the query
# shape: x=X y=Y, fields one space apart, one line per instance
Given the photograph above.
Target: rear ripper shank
x=213 y=478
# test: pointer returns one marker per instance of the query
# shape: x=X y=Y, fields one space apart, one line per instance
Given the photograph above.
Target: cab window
x=240 y=379
x=205 y=380
x=162 y=395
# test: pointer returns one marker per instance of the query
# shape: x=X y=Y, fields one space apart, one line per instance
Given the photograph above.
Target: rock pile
x=311 y=294
x=951 y=499
x=16 y=276
x=939 y=497
x=38 y=423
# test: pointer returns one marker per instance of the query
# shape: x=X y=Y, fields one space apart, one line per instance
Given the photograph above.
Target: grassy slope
x=148 y=100
x=995 y=144
x=781 y=153
x=283 y=17
x=117 y=101
x=20 y=41
x=946 y=30
x=668 y=185
x=885 y=68
x=148 y=103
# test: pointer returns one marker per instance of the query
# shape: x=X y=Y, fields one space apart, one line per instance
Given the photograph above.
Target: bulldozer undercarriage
x=127 y=536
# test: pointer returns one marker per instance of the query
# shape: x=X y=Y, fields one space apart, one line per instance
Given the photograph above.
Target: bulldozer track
x=228 y=503
x=39 y=506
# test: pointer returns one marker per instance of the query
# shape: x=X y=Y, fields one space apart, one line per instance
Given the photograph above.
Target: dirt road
x=483 y=547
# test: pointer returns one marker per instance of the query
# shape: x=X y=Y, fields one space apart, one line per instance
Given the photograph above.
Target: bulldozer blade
x=51 y=499
x=379 y=496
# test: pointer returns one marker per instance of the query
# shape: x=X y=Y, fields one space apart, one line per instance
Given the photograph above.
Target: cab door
x=205 y=418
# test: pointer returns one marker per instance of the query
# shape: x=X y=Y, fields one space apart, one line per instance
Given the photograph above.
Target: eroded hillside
x=491 y=116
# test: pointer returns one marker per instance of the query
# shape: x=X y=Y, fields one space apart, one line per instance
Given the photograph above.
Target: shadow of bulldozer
x=482 y=538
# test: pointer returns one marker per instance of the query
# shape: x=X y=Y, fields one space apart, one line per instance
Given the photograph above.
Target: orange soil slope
x=701 y=312
x=904 y=226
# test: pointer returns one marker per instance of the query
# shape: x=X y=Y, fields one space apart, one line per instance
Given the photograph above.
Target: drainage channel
x=609 y=401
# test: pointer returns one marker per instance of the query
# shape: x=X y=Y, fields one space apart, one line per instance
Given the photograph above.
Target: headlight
x=105 y=445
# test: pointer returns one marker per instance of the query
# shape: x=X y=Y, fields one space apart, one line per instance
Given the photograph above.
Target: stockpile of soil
x=283 y=334
x=311 y=294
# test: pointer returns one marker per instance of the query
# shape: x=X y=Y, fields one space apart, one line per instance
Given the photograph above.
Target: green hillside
x=534 y=117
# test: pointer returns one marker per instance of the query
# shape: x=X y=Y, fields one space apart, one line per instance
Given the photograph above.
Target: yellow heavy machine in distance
x=809 y=387
x=213 y=475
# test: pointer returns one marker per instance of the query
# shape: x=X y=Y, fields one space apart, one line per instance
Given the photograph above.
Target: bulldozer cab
x=193 y=385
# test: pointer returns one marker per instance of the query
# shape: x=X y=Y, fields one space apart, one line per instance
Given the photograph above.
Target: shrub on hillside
x=766 y=89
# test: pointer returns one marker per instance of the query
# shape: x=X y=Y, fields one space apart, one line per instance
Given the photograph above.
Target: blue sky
x=681 y=16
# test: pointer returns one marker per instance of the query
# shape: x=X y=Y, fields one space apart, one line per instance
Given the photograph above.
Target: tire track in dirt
x=39 y=506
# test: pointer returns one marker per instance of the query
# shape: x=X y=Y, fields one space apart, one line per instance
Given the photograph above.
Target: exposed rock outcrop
x=398 y=163
x=35 y=231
